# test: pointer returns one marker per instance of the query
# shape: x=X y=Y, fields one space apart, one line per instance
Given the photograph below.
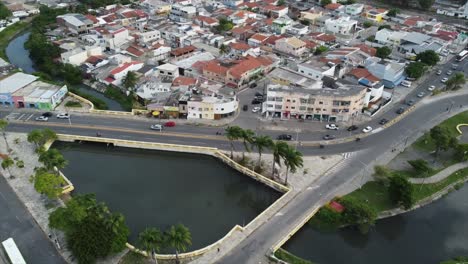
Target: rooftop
x=15 y=82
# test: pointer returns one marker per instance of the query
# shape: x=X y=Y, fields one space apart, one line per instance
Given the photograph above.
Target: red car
x=169 y=124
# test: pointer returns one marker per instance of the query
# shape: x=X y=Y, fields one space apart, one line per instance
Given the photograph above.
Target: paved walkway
x=441 y=175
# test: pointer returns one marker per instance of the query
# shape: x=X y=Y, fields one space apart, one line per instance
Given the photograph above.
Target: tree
x=415 y=69
x=260 y=143
x=367 y=24
x=292 y=160
x=281 y=3
x=4 y=12
x=224 y=25
x=428 y=57
x=461 y=152
x=48 y=184
x=382 y=173
x=325 y=2
x=441 y=137
x=3 y=126
x=223 y=49
x=357 y=212
x=7 y=163
x=393 y=12
x=320 y=49
x=179 y=238
x=75 y=210
x=52 y=158
x=40 y=137
x=384 y=26
x=151 y=240
x=426 y=4
x=233 y=133
x=130 y=80
x=72 y=74
x=247 y=136
x=383 y=52
x=401 y=191
x=421 y=166
x=456 y=81
x=278 y=148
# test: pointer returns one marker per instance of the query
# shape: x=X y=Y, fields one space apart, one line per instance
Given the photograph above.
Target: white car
x=431 y=88
x=42 y=118
x=444 y=80
x=421 y=94
x=331 y=127
x=255 y=109
x=156 y=127
x=63 y=116
x=449 y=73
x=367 y=129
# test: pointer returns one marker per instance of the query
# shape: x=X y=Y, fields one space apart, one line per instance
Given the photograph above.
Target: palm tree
x=3 y=126
x=179 y=238
x=223 y=49
x=6 y=164
x=278 y=148
x=292 y=160
x=247 y=138
x=130 y=80
x=233 y=133
x=53 y=158
x=151 y=240
x=260 y=143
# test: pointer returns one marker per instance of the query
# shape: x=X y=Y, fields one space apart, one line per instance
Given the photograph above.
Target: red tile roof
x=135 y=51
x=94 y=59
x=332 y=6
x=239 y=46
x=123 y=67
x=241 y=30
x=337 y=206
x=259 y=37
x=363 y=73
x=272 y=39
x=215 y=67
x=207 y=20
x=181 y=51
x=244 y=66
x=367 y=49
x=92 y=18
x=184 y=81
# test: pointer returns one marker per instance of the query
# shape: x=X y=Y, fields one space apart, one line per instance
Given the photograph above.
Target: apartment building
x=182 y=14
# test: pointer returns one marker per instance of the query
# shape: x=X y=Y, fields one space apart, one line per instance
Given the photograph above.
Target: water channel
x=19 y=56
x=158 y=189
x=427 y=235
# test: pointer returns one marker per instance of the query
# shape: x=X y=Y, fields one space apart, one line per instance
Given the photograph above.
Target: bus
x=462 y=55
x=13 y=252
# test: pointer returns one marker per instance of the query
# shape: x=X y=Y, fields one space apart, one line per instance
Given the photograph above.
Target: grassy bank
x=290 y=258
x=422 y=191
x=8 y=34
x=98 y=103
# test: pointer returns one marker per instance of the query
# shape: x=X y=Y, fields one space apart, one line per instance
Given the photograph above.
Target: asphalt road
x=16 y=222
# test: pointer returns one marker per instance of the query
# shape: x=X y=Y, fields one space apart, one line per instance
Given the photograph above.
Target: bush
x=401 y=191
x=367 y=24
x=73 y=104
x=98 y=103
x=116 y=94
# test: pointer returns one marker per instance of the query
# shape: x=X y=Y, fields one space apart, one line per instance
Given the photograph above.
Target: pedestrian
x=218 y=249
x=447 y=109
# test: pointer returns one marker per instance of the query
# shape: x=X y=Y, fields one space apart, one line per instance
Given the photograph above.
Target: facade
x=157 y=6
x=325 y=104
x=117 y=74
x=182 y=14
x=79 y=56
x=167 y=72
x=212 y=108
x=376 y=15
x=354 y=9
x=344 y=26
x=391 y=73
x=291 y=46
x=280 y=25
x=389 y=37
x=10 y=84
x=75 y=23
x=40 y=95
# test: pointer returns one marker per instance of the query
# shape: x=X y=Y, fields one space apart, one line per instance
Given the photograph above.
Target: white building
x=148 y=36
x=354 y=9
x=182 y=14
x=316 y=69
x=117 y=75
x=292 y=46
x=78 y=56
x=389 y=37
x=213 y=107
x=167 y=72
x=344 y=26
x=76 y=23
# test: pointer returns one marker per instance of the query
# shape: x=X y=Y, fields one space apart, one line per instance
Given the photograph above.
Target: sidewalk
x=441 y=175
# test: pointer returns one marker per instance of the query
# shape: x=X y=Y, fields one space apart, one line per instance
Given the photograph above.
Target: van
x=406 y=83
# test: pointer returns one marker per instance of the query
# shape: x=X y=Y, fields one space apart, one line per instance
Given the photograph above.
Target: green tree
x=382 y=173
x=152 y=241
x=461 y=152
x=7 y=163
x=383 y=52
x=72 y=74
x=3 y=126
x=325 y=2
x=224 y=25
x=179 y=238
x=442 y=138
x=233 y=133
x=456 y=81
x=428 y=57
x=426 y=4
x=357 y=212
x=384 y=26
x=40 y=137
x=421 y=166
x=292 y=160
x=4 y=12
x=130 y=80
x=320 y=49
x=247 y=136
x=279 y=149
x=223 y=49
x=53 y=158
x=401 y=191
x=261 y=143
x=75 y=210
x=415 y=69
x=48 y=184
x=393 y=12
x=367 y=24
x=281 y=3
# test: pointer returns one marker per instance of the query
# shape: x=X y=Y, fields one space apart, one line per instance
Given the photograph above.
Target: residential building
x=311 y=16
x=182 y=14
x=415 y=42
x=291 y=46
x=316 y=69
x=79 y=55
x=157 y=6
x=148 y=37
x=75 y=23
x=274 y=10
x=280 y=25
x=167 y=72
x=391 y=73
x=376 y=15
x=298 y=30
x=117 y=75
x=354 y=9
x=257 y=40
x=389 y=37
x=205 y=21
x=288 y=77
x=342 y=26
x=214 y=106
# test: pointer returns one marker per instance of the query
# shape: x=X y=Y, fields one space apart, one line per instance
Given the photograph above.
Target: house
x=148 y=37
x=167 y=72
x=350 y=56
x=232 y=3
x=257 y=40
x=182 y=14
x=415 y=42
x=241 y=16
x=117 y=75
x=291 y=46
x=205 y=21
x=213 y=103
x=12 y=83
x=298 y=30
x=238 y=49
x=79 y=55
x=245 y=71
x=333 y=6
x=215 y=71
x=376 y=15
x=375 y=87
x=342 y=26
x=322 y=38
x=242 y=33
x=157 y=6
x=367 y=49
x=160 y=52
x=316 y=69
x=274 y=10
x=389 y=37
x=311 y=16
x=391 y=73
x=280 y=25
x=354 y=9
x=75 y=23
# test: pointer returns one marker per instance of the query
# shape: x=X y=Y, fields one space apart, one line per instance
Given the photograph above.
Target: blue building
x=391 y=73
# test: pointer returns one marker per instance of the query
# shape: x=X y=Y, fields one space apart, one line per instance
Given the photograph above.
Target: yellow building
x=376 y=15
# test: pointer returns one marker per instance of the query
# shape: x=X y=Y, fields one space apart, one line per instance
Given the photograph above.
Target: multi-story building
x=316 y=69
x=212 y=105
x=391 y=73
x=354 y=9
x=75 y=23
x=182 y=14
x=291 y=46
x=342 y=26
x=376 y=15
x=323 y=104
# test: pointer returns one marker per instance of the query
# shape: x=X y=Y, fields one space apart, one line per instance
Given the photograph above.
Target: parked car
x=431 y=88
x=383 y=121
x=253 y=85
x=367 y=129
x=454 y=66
x=284 y=137
x=352 y=128
x=439 y=72
x=42 y=118
x=170 y=124
x=329 y=137
x=410 y=102
x=156 y=127
x=258 y=94
x=245 y=107
x=421 y=94
x=406 y=83
x=47 y=114
x=449 y=73
x=444 y=80
x=331 y=127
x=63 y=116
x=400 y=110
x=256 y=101
x=255 y=109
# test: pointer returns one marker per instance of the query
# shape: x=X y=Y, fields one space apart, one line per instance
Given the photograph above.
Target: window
x=320 y=102
x=288 y=100
x=207 y=109
x=277 y=106
x=292 y=107
x=302 y=108
x=294 y=101
x=199 y=109
x=279 y=99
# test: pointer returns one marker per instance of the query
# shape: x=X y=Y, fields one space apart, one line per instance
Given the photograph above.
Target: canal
x=159 y=189
x=429 y=235
x=19 y=56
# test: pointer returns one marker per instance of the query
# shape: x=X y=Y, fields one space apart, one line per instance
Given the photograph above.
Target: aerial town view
x=234 y=131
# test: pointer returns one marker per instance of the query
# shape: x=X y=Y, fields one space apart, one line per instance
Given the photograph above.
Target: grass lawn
x=290 y=258
x=133 y=258
x=422 y=191
x=375 y=194
x=414 y=174
x=7 y=34
x=73 y=104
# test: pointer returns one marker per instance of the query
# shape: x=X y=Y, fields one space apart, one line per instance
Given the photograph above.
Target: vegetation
x=320 y=49
x=224 y=25
x=428 y=57
x=455 y=82
x=393 y=12
x=325 y=2
x=371 y=38
x=4 y=12
x=179 y=238
x=278 y=149
x=53 y=159
x=383 y=52
x=133 y=258
x=7 y=163
x=247 y=137
x=415 y=69
x=98 y=103
x=116 y=94
x=442 y=139
x=367 y=24
x=3 y=126
x=422 y=191
x=130 y=80
x=48 y=183
x=281 y=3
x=384 y=26
x=261 y=143
x=91 y=230
x=73 y=104
x=40 y=136
x=421 y=166
x=456 y=260
x=290 y=258
x=223 y=49
x=151 y=240
x=233 y=133
x=292 y=160
x=426 y=4
x=401 y=191
x=7 y=34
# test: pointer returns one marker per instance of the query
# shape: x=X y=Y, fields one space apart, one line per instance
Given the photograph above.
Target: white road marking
x=21 y=116
x=29 y=117
x=312 y=187
x=279 y=214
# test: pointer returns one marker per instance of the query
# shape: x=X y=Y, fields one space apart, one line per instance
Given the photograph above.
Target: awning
x=156 y=113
